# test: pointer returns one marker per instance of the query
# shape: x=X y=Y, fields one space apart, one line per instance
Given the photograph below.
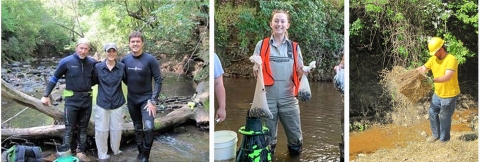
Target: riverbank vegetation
x=43 y=28
x=384 y=34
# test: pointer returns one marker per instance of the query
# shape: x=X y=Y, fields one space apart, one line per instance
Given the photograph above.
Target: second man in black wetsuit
x=141 y=69
x=78 y=71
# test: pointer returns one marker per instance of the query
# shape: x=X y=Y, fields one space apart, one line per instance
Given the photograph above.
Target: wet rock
x=20 y=75
x=26 y=66
x=15 y=64
x=465 y=105
x=35 y=72
x=468 y=137
x=15 y=69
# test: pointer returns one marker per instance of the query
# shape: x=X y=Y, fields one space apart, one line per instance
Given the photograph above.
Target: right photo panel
x=413 y=69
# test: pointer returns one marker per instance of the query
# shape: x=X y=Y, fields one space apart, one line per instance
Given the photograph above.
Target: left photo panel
x=105 y=81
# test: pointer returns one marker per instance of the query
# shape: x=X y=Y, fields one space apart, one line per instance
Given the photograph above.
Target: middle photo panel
x=279 y=86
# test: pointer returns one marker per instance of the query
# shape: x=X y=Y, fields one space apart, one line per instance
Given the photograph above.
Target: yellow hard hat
x=434 y=44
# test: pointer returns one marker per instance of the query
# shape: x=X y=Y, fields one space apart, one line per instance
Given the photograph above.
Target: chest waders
x=254 y=146
x=282 y=102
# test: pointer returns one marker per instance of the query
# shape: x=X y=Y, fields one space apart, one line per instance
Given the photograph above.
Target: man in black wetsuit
x=78 y=70
x=140 y=69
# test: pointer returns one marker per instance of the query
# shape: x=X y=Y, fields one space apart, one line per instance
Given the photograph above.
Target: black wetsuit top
x=139 y=72
x=78 y=74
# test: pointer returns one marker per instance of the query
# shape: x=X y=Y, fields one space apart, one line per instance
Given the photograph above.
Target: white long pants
x=108 y=121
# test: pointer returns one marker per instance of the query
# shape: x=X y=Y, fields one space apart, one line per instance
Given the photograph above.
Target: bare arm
x=445 y=78
x=220 y=95
x=300 y=72
x=423 y=69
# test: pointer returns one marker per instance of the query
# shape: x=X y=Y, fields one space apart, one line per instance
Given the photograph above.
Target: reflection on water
x=320 y=118
x=190 y=144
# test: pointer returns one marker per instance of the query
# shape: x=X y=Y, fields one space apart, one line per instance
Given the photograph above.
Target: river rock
x=15 y=64
x=465 y=105
x=34 y=72
x=41 y=68
x=16 y=69
x=20 y=75
x=468 y=137
x=424 y=134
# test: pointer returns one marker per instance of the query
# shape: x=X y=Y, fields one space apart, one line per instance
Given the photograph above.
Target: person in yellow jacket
x=282 y=67
x=444 y=68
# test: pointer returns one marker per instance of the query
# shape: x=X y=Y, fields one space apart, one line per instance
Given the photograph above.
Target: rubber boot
x=148 y=142
x=139 y=139
x=146 y=155
x=272 y=148
x=140 y=152
x=295 y=150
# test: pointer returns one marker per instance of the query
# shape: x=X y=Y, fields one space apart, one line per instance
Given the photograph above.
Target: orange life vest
x=267 y=74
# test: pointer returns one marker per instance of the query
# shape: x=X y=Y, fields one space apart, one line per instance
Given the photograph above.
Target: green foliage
x=358 y=126
x=239 y=28
x=357 y=27
x=44 y=27
x=25 y=26
x=400 y=29
x=456 y=48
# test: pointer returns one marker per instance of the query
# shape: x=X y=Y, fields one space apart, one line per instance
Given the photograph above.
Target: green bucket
x=67 y=159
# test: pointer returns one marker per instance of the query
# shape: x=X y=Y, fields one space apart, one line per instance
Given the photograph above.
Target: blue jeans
x=440 y=114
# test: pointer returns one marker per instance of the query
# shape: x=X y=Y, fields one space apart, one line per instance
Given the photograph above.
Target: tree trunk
x=10 y=92
x=173 y=119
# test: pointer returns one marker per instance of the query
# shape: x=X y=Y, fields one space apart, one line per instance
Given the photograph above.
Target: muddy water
x=185 y=143
x=320 y=118
x=393 y=136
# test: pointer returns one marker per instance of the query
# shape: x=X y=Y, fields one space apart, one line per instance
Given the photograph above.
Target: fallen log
x=171 y=120
x=202 y=115
x=10 y=92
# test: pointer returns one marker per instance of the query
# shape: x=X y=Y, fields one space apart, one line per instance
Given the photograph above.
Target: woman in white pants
x=109 y=114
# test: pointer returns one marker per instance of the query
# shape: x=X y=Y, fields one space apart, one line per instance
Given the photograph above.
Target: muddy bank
x=392 y=142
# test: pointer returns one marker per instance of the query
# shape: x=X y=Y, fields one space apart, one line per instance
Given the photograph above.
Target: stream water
x=320 y=119
x=184 y=143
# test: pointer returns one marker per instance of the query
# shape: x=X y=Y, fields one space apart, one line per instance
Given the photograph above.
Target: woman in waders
x=282 y=66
